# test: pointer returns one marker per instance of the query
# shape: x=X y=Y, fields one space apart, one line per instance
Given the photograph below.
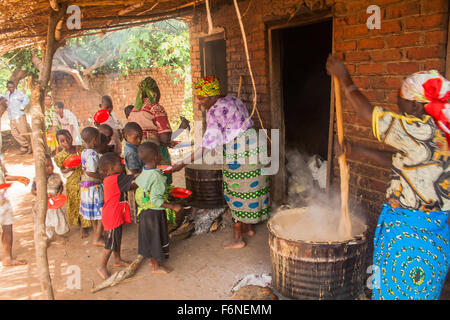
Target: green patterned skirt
x=246 y=190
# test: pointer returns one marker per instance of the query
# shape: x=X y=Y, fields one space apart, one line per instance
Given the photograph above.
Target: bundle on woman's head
x=433 y=89
x=207 y=87
x=147 y=89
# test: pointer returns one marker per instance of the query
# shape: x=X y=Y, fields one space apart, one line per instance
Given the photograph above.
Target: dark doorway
x=306 y=87
x=214 y=61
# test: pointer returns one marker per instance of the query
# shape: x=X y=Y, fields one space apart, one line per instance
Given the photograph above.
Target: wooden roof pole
x=39 y=148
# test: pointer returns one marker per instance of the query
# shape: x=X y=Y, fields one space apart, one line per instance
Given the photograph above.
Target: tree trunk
x=38 y=141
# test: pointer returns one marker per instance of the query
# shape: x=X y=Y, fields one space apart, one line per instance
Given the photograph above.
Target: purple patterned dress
x=246 y=190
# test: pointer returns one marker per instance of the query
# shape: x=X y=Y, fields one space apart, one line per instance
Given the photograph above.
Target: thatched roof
x=24 y=22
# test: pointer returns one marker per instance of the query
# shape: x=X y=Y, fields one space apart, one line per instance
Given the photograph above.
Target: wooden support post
x=39 y=146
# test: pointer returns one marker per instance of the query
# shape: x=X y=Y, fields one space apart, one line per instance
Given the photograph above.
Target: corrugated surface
x=206 y=187
x=320 y=271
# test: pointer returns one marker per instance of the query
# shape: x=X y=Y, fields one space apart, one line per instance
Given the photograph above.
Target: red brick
x=403 y=40
x=402 y=67
x=435 y=64
x=388 y=27
x=403 y=10
x=435 y=37
x=424 y=22
x=433 y=6
x=372 y=68
x=338 y=33
x=345 y=45
x=377 y=43
x=345 y=21
x=361 y=82
x=386 y=55
x=386 y=83
x=424 y=52
x=357 y=56
x=355 y=31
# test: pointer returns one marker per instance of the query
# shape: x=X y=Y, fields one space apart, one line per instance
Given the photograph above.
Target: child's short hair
x=59 y=105
x=89 y=133
x=63 y=132
x=107 y=161
x=104 y=128
x=132 y=127
x=128 y=110
x=148 y=151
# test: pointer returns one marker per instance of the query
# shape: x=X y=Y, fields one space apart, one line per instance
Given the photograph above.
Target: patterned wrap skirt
x=411 y=252
x=91 y=200
x=246 y=190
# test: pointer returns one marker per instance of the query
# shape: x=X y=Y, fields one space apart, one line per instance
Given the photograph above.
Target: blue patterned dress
x=411 y=244
x=246 y=189
x=91 y=190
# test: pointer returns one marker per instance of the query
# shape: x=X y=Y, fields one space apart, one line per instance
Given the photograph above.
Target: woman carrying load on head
x=411 y=244
x=152 y=118
x=229 y=128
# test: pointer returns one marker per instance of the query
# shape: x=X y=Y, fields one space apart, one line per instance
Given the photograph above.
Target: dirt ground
x=201 y=269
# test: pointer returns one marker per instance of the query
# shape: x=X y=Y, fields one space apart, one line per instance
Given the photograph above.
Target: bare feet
x=250 y=233
x=234 y=245
x=103 y=273
x=98 y=243
x=8 y=262
x=122 y=263
x=159 y=270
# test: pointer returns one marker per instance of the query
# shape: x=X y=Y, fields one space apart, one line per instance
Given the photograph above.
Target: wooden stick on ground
x=120 y=276
x=345 y=226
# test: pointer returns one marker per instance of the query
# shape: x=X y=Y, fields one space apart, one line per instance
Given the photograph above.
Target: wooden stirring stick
x=345 y=226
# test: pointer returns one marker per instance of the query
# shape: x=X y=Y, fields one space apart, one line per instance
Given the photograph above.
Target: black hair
x=106 y=127
x=10 y=82
x=107 y=161
x=63 y=132
x=128 y=110
x=59 y=105
x=108 y=100
x=89 y=133
x=148 y=151
x=132 y=127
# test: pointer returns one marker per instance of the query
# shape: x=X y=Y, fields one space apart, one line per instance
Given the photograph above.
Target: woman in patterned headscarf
x=411 y=245
x=152 y=118
x=230 y=131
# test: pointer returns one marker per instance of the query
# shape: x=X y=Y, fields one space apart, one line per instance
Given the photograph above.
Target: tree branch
x=73 y=72
x=98 y=63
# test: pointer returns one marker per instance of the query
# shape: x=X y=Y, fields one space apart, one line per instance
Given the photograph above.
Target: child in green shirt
x=153 y=240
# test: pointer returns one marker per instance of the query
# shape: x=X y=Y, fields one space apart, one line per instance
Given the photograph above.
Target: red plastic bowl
x=5 y=185
x=165 y=168
x=181 y=193
x=101 y=116
x=57 y=202
x=72 y=162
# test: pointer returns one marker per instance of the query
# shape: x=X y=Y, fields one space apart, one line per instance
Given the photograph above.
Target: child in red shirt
x=116 y=210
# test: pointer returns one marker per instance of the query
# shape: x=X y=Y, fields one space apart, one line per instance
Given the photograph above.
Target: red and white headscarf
x=433 y=89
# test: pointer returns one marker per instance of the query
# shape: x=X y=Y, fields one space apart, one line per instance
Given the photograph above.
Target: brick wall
x=122 y=89
x=412 y=37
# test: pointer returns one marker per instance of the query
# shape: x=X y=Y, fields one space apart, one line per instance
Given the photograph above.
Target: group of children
x=101 y=191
